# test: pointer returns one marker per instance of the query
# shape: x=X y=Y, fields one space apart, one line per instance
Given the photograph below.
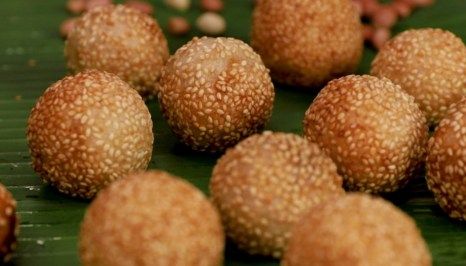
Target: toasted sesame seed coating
x=358 y=230
x=307 y=42
x=373 y=130
x=9 y=224
x=429 y=64
x=214 y=92
x=446 y=162
x=265 y=183
x=88 y=130
x=151 y=218
x=119 y=40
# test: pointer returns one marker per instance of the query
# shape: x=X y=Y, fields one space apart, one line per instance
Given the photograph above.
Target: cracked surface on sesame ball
x=356 y=229
x=265 y=183
x=88 y=130
x=214 y=92
x=9 y=224
x=307 y=42
x=446 y=162
x=374 y=132
x=151 y=218
x=119 y=40
x=429 y=64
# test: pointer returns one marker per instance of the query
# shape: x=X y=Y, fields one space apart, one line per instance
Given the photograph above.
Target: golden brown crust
x=358 y=230
x=374 y=132
x=9 y=224
x=151 y=218
x=446 y=162
x=429 y=64
x=119 y=40
x=214 y=92
x=265 y=183
x=88 y=130
x=307 y=42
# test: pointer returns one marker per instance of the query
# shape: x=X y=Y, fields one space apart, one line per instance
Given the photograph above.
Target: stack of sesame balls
x=274 y=194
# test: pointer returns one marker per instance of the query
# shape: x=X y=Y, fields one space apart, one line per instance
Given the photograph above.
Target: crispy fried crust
x=119 y=40
x=265 y=183
x=88 y=130
x=307 y=42
x=151 y=218
x=429 y=64
x=446 y=162
x=214 y=92
x=374 y=132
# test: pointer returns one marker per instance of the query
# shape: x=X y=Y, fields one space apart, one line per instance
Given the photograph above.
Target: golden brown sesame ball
x=8 y=224
x=119 y=40
x=151 y=218
x=429 y=64
x=214 y=92
x=446 y=162
x=88 y=130
x=359 y=230
x=307 y=42
x=373 y=130
x=265 y=183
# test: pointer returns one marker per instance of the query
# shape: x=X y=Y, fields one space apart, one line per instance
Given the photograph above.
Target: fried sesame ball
x=265 y=183
x=214 y=92
x=373 y=130
x=8 y=224
x=446 y=162
x=119 y=40
x=151 y=218
x=356 y=229
x=429 y=64
x=87 y=130
x=307 y=42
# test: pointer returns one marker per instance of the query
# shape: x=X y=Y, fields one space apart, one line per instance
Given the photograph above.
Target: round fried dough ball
x=446 y=162
x=119 y=40
x=214 y=92
x=429 y=64
x=265 y=183
x=8 y=224
x=307 y=42
x=373 y=130
x=359 y=230
x=88 y=130
x=151 y=218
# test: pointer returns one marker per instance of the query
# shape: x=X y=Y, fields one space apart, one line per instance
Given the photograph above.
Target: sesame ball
x=119 y=40
x=373 y=130
x=446 y=162
x=87 y=130
x=356 y=229
x=307 y=42
x=8 y=224
x=429 y=64
x=151 y=218
x=265 y=183
x=214 y=92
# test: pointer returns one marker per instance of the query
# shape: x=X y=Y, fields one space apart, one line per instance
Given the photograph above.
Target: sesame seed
x=384 y=136
x=204 y=98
